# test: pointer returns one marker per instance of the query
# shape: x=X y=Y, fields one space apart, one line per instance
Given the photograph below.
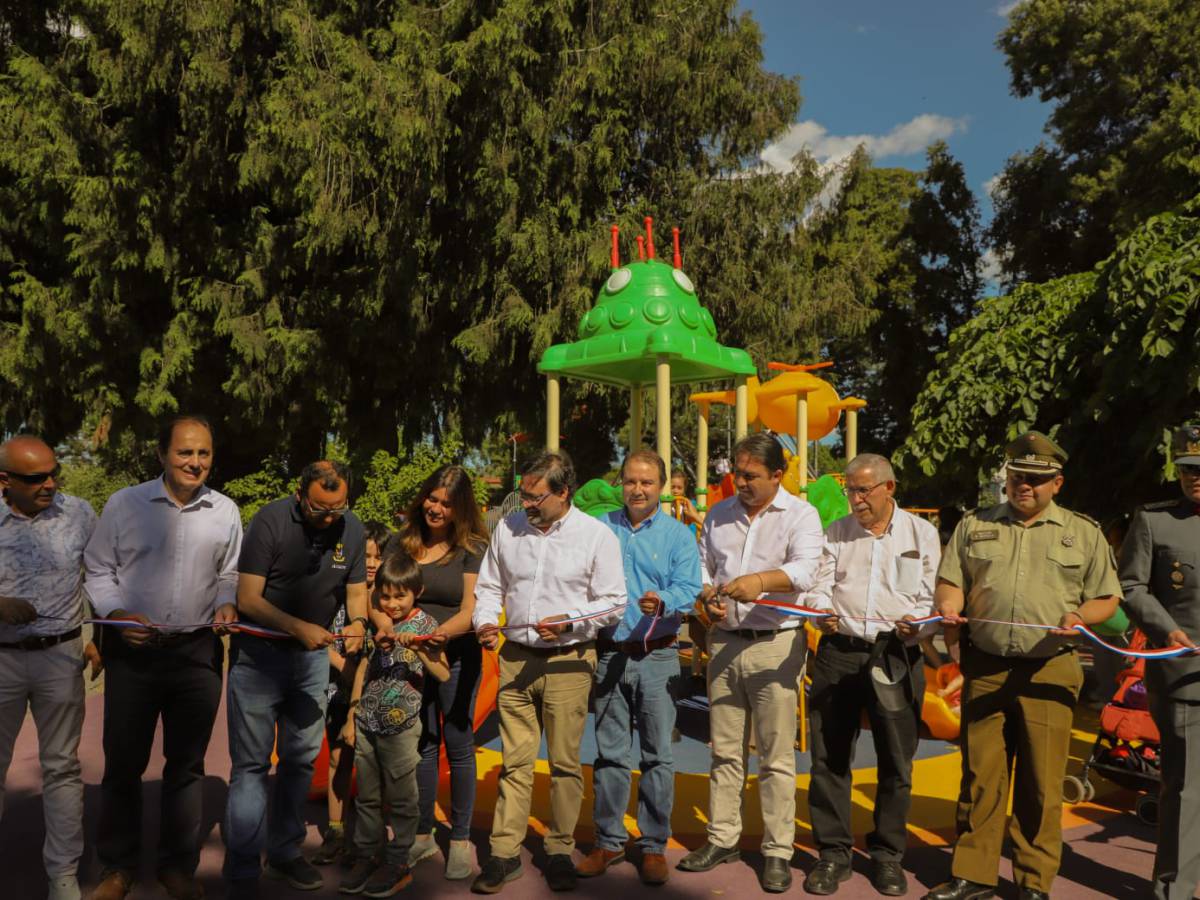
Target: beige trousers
x=535 y=691
x=752 y=684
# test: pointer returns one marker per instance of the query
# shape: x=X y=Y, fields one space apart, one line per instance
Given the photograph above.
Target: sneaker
x=298 y=872
x=560 y=872
x=423 y=847
x=458 y=861
x=360 y=873
x=64 y=887
x=388 y=879
x=496 y=873
x=333 y=847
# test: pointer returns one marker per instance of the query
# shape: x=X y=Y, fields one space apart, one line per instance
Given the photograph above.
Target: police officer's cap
x=1185 y=445
x=1035 y=453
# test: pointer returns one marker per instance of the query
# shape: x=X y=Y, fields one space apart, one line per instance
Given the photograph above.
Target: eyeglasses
x=526 y=500
x=318 y=513
x=1191 y=470
x=1030 y=478
x=860 y=491
x=35 y=478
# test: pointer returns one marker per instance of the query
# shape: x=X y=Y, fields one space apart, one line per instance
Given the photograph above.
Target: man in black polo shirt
x=301 y=558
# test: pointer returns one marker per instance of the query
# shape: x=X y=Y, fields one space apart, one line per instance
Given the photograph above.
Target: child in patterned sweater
x=385 y=728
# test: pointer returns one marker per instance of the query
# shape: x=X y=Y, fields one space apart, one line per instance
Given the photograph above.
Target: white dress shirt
x=785 y=534
x=888 y=576
x=574 y=569
x=175 y=565
x=41 y=562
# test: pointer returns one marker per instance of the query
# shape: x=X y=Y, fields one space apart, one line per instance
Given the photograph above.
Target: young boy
x=385 y=729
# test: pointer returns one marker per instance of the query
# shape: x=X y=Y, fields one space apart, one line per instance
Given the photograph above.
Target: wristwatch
x=363 y=619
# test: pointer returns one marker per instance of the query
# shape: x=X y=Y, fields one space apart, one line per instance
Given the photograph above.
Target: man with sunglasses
x=165 y=552
x=303 y=557
x=1160 y=573
x=878 y=566
x=42 y=536
x=1025 y=560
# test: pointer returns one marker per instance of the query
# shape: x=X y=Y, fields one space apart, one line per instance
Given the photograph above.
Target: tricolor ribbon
x=807 y=612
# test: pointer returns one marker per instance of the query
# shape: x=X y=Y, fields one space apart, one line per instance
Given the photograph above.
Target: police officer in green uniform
x=1160 y=574
x=1024 y=560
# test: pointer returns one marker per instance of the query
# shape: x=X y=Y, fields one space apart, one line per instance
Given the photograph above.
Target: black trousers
x=841 y=693
x=179 y=682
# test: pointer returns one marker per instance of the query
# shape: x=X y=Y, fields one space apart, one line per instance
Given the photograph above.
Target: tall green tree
x=1123 y=137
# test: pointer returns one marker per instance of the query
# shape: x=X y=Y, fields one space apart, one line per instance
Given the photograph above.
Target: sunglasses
x=1192 y=470
x=34 y=478
x=1030 y=478
x=319 y=513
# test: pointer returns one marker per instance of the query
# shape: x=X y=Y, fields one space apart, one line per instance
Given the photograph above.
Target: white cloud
x=1008 y=6
x=990 y=267
x=991 y=187
x=907 y=138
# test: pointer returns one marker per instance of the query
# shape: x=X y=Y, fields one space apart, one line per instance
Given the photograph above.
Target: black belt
x=635 y=648
x=41 y=642
x=754 y=634
x=850 y=642
x=558 y=651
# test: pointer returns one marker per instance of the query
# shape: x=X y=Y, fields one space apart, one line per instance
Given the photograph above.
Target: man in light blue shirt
x=636 y=661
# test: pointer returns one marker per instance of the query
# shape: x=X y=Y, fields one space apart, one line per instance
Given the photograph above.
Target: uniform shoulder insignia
x=1086 y=518
x=1161 y=504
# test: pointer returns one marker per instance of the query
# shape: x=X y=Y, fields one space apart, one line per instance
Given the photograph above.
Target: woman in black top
x=444 y=532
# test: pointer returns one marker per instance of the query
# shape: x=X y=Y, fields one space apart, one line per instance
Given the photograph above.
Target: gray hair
x=880 y=465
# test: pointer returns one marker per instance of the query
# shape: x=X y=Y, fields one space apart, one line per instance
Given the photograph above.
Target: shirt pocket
x=1175 y=574
x=908 y=575
x=1065 y=568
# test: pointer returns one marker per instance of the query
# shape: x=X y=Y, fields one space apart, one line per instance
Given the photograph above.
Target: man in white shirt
x=42 y=536
x=879 y=567
x=546 y=564
x=762 y=543
x=165 y=552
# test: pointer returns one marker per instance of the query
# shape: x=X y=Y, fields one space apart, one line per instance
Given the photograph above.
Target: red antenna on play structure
x=650 y=236
x=616 y=248
x=675 y=241
x=641 y=247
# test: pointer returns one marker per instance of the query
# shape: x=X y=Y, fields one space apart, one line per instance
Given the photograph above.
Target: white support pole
x=851 y=434
x=802 y=438
x=702 y=458
x=552 y=412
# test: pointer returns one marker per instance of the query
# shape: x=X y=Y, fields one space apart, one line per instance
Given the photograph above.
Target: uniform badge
x=1068 y=540
x=983 y=534
x=1177 y=578
x=339 y=553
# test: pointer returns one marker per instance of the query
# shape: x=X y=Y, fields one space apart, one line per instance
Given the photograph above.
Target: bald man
x=42 y=537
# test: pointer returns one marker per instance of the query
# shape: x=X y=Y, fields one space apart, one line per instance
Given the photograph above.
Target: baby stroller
x=1126 y=749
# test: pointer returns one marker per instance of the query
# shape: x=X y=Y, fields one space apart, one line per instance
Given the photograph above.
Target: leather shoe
x=961 y=889
x=114 y=886
x=598 y=861
x=708 y=857
x=776 y=876
x=1030 y=894
x=827 y=876
x=888 y=878
x=654 y=869
x=180 y=885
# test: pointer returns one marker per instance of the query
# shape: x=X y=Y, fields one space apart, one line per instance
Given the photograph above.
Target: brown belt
x=41 y=642
x=635 y=648
x=558 y=651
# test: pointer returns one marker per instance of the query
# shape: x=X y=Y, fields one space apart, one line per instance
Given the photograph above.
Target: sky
x=898 y=75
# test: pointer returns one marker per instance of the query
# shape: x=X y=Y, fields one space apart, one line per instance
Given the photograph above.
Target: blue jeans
x=629 y=688
x=271 y=683
x=448 y=714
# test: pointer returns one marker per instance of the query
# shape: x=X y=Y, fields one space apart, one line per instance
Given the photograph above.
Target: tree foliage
x=1124 y=135
x=1105 y=361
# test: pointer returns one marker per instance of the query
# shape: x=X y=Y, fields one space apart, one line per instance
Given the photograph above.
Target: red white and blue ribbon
x=807 y=612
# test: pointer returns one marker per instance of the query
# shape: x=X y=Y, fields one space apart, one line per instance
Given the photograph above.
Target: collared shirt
x=1017 y=573
x=885 y=576
x=658 y=555
x=175 y=565
x=786 y=534
x=41 y=562
x=572 y=569
x=306 y=570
